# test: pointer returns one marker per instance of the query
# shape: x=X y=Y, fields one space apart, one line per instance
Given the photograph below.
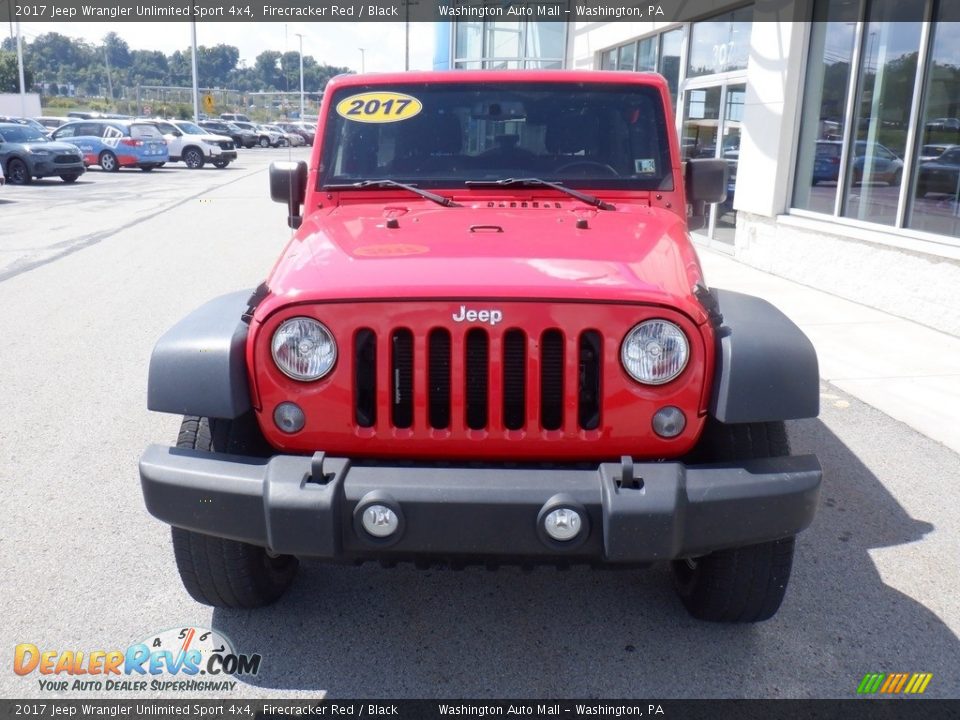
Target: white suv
x=194 y=145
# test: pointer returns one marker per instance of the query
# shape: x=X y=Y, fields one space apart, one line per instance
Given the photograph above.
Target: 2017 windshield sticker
x=379 y=107
x=645 y=166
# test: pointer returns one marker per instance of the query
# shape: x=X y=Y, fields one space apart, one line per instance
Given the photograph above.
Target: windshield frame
x=665 y=180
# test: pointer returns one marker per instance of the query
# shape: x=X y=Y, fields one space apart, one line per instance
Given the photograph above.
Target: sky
x=332 y=43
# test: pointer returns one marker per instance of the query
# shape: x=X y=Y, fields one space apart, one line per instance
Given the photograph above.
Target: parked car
x=113 y=144
x=24 y=121
x=564 y=388
x=52 y=122
x=297 y=129
x=233 y=117
x=289 y=137
x=265 y=138
x=26 y=153
x=240 y=137
x=884 y=165
x=941 y=175
x=933 y=151
x=944 y=124
x=194 y=145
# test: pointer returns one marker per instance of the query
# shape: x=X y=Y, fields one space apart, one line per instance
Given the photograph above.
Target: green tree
x=10 y=75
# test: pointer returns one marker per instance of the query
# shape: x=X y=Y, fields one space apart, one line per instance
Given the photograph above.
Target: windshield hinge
x=255 y=299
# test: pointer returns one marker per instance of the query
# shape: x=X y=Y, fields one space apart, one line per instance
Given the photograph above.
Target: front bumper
x=43 y=167
x=221 y=154
x=305 y=506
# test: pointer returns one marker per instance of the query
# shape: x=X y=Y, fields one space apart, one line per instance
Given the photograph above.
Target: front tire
x=220 y=164
x=745 y=584
x=18 y=173
x=193 y=158
x=264 y=142
x=219 y=572
x=70 y=177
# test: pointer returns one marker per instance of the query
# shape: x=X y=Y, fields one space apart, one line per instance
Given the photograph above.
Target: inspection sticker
x=645 y=166
x=379 y=107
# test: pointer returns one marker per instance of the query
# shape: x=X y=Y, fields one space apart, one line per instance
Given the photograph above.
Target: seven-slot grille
x=485 y=373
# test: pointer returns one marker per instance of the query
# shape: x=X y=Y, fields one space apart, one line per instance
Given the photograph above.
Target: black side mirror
x=177 y=133
x=288 y=184
x=706 y=180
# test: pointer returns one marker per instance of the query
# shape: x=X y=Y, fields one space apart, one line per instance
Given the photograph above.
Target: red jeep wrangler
x=489 y=341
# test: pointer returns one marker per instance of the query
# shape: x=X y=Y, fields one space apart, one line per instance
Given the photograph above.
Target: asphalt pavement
x=92 y=274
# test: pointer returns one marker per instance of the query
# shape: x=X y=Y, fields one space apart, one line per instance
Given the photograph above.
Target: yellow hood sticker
x=379 y=107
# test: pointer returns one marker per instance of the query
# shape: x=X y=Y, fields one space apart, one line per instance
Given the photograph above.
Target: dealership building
x=840 y=120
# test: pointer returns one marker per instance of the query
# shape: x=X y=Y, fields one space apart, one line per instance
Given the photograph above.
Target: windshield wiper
x=537 y=182
x=439 y=199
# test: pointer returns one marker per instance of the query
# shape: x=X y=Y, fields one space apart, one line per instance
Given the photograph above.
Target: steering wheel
x=609 y=170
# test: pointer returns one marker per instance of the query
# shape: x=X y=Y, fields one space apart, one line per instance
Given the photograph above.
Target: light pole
x=23 y=84
x=193 y=45
x=300 y=35
x=363 y=64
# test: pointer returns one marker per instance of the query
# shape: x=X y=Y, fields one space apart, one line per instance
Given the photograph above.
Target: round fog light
x=669 y=422
x=380 y=521
x=289 y=417
x=562 y=524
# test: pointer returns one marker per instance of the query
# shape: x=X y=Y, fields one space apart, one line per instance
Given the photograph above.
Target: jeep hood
x=548 y=250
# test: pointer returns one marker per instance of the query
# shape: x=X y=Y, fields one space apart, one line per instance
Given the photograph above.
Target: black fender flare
x=766 y=368
x=198 y=367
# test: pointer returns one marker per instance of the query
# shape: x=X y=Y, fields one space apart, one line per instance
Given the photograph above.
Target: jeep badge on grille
x=487 y=316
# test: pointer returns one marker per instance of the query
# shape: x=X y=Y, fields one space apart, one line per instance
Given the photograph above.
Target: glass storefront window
x=647 y=54
x=720 y=44
x=671 y=44
x=824 y=106
x=885 y=93
x=469 y=41
x=628 y=55
x=510 y=45
x=936 y=202
x=545 y=42
x=608 y=59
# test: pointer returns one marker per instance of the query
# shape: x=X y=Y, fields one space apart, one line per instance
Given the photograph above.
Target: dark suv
x=241 y=137
x=26 y=153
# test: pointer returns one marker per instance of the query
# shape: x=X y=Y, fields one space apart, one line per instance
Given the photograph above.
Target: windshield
x=444 y=134
x=22 y=134
x=191 y=129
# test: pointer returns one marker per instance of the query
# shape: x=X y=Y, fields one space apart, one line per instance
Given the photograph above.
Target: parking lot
x=92 y=273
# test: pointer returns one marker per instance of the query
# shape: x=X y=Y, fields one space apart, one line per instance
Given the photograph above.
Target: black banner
x=376 y=10
x=860 y=709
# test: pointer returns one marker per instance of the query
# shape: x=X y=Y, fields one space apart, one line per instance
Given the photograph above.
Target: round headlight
x=655 y=352
x=303 y=349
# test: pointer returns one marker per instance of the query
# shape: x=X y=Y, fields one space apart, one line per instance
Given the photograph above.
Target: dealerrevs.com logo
x=181 y=659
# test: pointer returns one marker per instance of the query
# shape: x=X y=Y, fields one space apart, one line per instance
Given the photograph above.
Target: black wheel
x=17 y=173
x=221 y=163
x=147 y=168
x=108 y=161
x=160 y=164
x=745 y=584
x=70 y=177
x=264 y=142
x=193 y=158
x=226 y=573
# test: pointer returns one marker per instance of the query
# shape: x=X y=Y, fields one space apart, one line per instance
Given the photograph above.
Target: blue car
x=113 y=144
